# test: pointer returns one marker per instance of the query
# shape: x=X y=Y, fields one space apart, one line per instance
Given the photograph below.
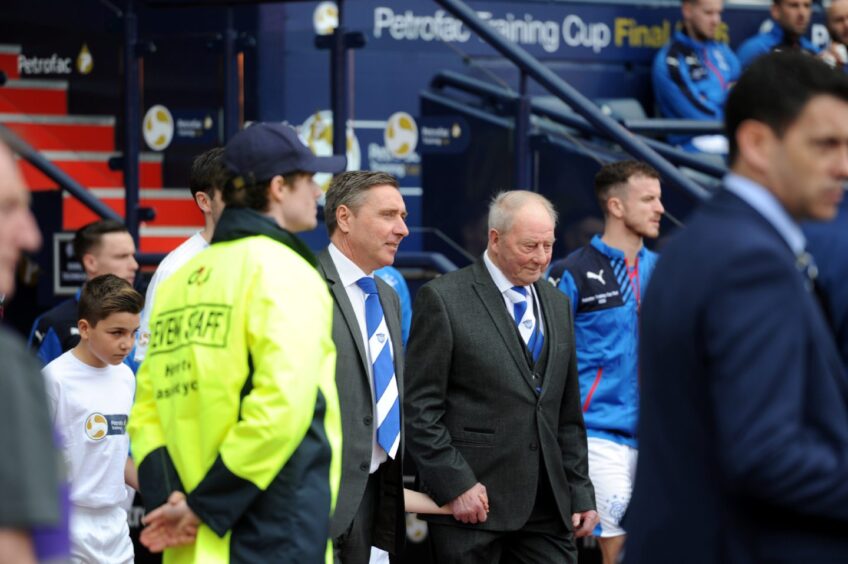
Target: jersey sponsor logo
x=599 y=276
x=205 y=325
x=99 y=426
x=599 y=299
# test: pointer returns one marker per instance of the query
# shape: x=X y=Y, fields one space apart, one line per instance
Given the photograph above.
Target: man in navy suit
x=744 y=407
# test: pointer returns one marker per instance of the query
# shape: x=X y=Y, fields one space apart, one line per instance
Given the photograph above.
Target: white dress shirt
x=349 y=273
x=503 y=284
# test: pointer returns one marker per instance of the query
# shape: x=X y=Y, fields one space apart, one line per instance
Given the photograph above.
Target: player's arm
x=569 y=288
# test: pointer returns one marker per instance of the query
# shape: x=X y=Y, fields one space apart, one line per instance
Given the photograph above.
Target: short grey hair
x=348 y=189
x=504 y=205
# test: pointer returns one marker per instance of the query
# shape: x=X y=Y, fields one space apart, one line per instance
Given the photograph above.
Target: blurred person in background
x=33 y=499
x=102 y=247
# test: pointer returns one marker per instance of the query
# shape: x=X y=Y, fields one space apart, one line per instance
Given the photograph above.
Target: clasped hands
x=171 y=524
x=473 y=507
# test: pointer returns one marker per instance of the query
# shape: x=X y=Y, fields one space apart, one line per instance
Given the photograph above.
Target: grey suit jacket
x=472 y=410
x=358 y=418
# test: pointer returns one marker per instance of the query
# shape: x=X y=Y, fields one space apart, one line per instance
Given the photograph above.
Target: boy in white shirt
x=91 y=394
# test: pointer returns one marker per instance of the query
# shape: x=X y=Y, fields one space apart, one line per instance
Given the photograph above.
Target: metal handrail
x=415 y=259
x=57 y=175
x=445 y=239
x=568 y=94
x=670 y=126
x=674 y=154
x=570 y=119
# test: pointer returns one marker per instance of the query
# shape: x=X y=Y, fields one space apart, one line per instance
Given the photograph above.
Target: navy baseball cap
x=264 y=150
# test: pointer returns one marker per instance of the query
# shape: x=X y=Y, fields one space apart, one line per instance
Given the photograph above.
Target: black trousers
x=354 y=546
x=544 y=538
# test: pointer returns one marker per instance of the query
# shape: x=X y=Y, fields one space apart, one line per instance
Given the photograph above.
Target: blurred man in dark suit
x=744 y=414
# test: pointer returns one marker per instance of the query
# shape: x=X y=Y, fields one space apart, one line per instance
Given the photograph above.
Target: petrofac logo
x=96 y=427
x=325 y=18
x=54 y=64
x=401 y=135
x=85 y=62
x=317 y=134
x=158 y=128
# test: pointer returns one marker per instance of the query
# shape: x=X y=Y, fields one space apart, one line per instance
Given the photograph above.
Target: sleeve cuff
x=221 y=498
x=157 y=478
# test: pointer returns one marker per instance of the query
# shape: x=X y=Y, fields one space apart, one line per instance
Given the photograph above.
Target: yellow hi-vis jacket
x=236 y=402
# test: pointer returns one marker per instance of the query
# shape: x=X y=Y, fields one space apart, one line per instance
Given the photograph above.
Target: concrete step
x=174 y=208
x=91 y=169
x=9 y=60
x=30 y=96
x=63 y=133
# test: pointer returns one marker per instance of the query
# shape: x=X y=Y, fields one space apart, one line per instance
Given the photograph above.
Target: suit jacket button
x=365 y=467
x=367 y=420
x=534 y=446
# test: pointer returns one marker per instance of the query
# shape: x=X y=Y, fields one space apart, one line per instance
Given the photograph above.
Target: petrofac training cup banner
x=548 y=31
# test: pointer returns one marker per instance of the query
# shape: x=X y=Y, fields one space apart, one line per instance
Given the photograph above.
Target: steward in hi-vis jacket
x=236 y=402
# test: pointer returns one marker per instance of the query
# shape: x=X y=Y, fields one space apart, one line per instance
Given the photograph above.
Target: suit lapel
x=325 y=262
x=493 y=301
x=551 y=332
x=725 y=199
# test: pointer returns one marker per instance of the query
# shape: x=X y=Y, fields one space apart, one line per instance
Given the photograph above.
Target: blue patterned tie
x=383 y=368
x=527 y=325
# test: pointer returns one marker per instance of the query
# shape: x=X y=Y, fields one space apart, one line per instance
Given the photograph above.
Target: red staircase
x=37 y=110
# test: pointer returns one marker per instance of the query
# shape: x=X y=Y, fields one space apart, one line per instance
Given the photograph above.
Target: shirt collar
x=612 y=252
x=501 y=282
x=349 y=273
x=684 y=37
x=768 y=206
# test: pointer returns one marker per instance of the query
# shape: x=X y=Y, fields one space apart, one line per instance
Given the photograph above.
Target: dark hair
x=254 y=196
x=88 y=237
x=775 y=89
x=616 y=175
x=208 y=172
x=107 y=294
x=348 y=189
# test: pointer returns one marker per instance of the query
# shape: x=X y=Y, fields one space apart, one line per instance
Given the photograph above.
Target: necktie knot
x=367 y=285
x=525 y=320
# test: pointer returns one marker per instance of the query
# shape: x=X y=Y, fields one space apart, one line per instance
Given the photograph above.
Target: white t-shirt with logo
x=90 y=407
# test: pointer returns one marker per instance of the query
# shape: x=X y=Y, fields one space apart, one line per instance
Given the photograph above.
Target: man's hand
x=170 y=524
x=584 y=523
x=472 y=506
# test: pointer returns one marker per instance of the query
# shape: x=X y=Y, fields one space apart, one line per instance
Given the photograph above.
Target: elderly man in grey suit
x=365 y=214
x=492 y=400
